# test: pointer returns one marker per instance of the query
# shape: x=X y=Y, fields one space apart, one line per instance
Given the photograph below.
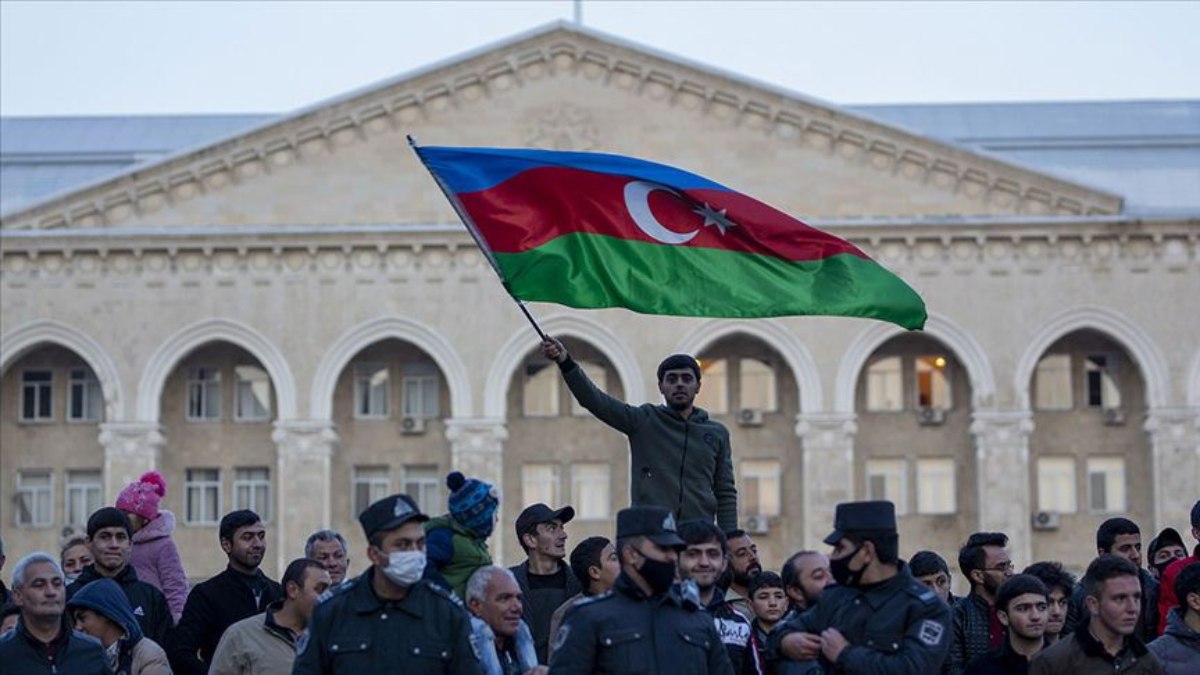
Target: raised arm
x=613 y=412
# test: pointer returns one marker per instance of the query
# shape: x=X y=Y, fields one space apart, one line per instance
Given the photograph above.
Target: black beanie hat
x=677 y=361
x=109 y=516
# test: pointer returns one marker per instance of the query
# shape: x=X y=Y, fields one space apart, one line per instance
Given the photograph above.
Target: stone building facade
x=291 y=319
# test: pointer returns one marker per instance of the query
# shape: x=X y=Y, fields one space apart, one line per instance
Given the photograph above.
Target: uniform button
x=445 y=654
x=416 y=650
x=383 y=616
x=334 y=648
x=608 y=642
x=895 y=645
x=870 y=643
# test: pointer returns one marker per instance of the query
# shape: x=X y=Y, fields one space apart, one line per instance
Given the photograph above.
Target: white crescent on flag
x=637 y=200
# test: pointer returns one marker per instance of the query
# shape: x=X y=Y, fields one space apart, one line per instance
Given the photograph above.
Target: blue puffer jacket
x=1179 y=647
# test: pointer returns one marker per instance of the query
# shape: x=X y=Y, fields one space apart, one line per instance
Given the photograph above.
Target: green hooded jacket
x=685 y=465
x=467 y=553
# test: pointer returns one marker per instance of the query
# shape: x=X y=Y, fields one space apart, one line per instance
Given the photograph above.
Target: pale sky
x=77 y=58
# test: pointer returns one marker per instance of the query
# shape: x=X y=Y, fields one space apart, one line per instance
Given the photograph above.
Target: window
x=423 y=484
x=1106 y=484
x=714 y=386
x=933 y=383
x=1056 y=485
x=1052 y=383
x=252 y=490
x=420 y=387
x=253 y=393
x=591 y=490
x=540 y=390
x=371 y=400
x=539 y=483
x=1101 y=383
x=756 y=380
x=37 y=404
x=371 y=483
x=204 y=394
x=599 y=377
x=886 y=480
x=202 y=490
x=884 y=388
x=84 y=495
x=86 y=402
x=760 y=487
x=935 y=486
x=35 y=498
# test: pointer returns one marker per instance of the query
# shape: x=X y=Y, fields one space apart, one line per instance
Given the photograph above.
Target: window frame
x=1038 y=405
x=74 y=486
x=356 y=480
x=19 y=488
x=1112 y=367
x=358 y=377
x=1064 y=460
x=90 y=385
x=423 y=483
x=423 y=376
x=947 y=372
x=555 y=407
x=576 y=496
x=901 y=501
x=758 y=477
x=238 y=381
x=195 y=383
x=899 y=372
x=1109 y=507
x=922 y=476
x=48 y=385
x=556 y=486
x=204 y=485
x=251 y=484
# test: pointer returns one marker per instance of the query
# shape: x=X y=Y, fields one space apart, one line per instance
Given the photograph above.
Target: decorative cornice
x=562 y=51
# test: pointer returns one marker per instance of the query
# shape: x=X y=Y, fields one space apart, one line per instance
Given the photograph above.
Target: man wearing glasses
x=985 y=563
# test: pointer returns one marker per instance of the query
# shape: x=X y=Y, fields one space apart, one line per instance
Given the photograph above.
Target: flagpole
x=479 y=241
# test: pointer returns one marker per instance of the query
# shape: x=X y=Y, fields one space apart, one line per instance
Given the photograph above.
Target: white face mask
x=70 y=578
x=405 y=567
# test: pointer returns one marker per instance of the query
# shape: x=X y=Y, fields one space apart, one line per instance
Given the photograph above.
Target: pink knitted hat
x=142 y=497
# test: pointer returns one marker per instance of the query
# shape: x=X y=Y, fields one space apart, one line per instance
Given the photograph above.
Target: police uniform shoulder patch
x=443 y=593
x=931 y=632
x=585 y=601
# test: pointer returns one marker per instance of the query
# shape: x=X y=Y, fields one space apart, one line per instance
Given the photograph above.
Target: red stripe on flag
x=542 y=204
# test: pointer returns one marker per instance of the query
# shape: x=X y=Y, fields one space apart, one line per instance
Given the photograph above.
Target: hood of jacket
x=698 y=414
x=160 y=527
x=1177 y=628
x=105 y=596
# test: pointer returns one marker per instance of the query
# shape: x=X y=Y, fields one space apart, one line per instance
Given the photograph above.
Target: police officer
x=645 y=624
x=389 y=619
x=878 y=619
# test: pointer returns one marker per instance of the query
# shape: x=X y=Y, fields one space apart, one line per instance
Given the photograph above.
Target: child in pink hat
x=155 y=557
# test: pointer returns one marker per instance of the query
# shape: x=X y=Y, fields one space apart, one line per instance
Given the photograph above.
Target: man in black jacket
x=1022 y=604
x=42 y=642
x=546 y=581
x=1121 y=537
x=242 y=590
x=110 y=539
x=985 y=563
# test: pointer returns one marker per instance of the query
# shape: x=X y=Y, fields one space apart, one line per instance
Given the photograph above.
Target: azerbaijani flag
x=592 y=230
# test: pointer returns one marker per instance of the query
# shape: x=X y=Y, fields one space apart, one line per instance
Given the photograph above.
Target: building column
x=477 y=450
x=1175 y=452
x=130 y=450
x=303 y=458
x=1002 y=477
x=827 y=446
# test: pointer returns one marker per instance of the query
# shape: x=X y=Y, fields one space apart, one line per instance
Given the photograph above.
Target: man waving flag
x=591 y=230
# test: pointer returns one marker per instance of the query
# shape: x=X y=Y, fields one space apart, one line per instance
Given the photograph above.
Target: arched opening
x=557 y=452
x=1089 y=455
x=749 y=387
x=216 y=408
x=389 y=404
x=913 y=402
x=52 y=462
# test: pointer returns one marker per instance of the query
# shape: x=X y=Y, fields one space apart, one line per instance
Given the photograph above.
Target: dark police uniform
x=355 y=632
x=625 y=631
x=895 y=627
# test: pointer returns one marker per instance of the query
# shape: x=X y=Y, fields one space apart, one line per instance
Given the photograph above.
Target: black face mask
x=840 y=569
x=658 y=574
x=1162 y=566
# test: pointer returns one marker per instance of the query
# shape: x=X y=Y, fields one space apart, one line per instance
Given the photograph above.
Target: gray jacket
x=1179 y=647
x=682 y=465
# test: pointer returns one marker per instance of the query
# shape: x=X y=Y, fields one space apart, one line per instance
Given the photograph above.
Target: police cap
x=862 y=518
x=390 y=513
x=653 y=522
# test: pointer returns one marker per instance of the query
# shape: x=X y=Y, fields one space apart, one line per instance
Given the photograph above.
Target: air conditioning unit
x=750 y=417
x=757 y=524
x=1045 y=520
x=1113 y=417
x=412 y=426
x=931 y=416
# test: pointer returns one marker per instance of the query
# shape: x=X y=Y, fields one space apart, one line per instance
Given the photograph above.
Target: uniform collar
x=365 y=601
x=880 y=593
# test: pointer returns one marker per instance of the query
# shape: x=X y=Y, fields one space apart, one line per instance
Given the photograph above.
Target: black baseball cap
x=389 y=513
x=653 y=522
x=536 y=514
x=862 y=518
x=1167 y=537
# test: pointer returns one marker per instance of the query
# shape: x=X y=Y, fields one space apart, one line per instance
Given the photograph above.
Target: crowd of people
x=678 y=589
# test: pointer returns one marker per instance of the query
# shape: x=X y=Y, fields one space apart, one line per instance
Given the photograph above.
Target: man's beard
x=991 y=585
x=743 y=579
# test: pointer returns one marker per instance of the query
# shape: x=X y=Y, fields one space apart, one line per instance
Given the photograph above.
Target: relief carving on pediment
x=562 y=127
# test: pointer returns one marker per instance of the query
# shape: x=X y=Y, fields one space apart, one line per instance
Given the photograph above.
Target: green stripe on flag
x=591 y=271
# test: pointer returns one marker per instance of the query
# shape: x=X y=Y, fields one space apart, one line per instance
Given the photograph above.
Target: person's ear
x=529 y=539
x=593 y=573
x=226 y=545
x=976 y=576
x=474 y=604
x=1092 y=603
x=1003 y=617
x=868 y=549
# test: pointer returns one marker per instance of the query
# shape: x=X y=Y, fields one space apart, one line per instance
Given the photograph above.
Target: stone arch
x=184 y=341
x=773 y=333
x=1113 y=324
x=26 y=337
x=495 y=401
x=963 y=344
x=381 y=328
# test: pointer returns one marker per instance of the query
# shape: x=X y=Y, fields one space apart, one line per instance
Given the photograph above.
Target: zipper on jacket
x=682 y=464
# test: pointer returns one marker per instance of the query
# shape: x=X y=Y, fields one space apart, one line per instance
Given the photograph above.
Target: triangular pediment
x=346 y=161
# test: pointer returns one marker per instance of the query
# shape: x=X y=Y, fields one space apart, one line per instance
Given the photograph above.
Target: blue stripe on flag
x=474 y=169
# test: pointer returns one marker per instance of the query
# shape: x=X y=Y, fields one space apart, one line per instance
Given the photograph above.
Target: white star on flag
x=715 y=217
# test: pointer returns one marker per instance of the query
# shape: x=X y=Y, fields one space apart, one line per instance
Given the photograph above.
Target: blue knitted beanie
x=473 y=503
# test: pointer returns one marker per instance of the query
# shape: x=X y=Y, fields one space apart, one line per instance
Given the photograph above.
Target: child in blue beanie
x=456 y=543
